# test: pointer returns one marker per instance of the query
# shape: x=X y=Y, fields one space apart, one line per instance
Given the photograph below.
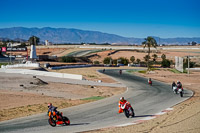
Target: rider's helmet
x=49 y=105
x=121 y=99
x=178 y=81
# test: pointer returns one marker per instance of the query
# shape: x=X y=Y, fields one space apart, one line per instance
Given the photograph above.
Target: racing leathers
x=121 y=104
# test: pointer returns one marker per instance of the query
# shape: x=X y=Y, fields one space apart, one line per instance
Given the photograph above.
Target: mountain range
x=65 y=35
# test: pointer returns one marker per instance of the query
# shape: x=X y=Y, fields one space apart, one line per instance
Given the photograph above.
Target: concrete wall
x=179 y=63
x=42 y=73
x=22 y=65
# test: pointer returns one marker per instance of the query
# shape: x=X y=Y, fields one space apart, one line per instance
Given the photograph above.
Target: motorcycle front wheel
x=126 y=112
x=52 y=122
x=133 y=112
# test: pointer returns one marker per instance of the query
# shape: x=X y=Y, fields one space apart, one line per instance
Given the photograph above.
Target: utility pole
x=188 y=65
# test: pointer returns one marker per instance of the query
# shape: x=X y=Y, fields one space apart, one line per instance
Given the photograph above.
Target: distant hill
x=64 y=35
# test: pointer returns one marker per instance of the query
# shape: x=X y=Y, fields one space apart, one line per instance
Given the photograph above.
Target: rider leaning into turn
x=51 y=108
x=122 y=101
x=179 y=85
x=173 y=84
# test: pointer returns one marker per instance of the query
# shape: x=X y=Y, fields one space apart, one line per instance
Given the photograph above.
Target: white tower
x=46 y=42
x=33 y=54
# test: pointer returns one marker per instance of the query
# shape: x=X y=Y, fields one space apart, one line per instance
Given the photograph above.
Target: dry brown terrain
x=33 y=96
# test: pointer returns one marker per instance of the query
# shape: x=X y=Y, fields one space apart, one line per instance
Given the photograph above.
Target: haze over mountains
x=65 y=35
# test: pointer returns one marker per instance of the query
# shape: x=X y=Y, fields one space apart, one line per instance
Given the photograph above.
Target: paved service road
x=146 y=100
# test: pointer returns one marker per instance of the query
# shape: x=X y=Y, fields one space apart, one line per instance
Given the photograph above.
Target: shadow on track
x=143 y=116
x=77 y=124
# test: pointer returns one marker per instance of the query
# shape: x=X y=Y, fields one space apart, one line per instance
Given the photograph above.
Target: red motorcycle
x=128 y=110
x=120 y=72
x=55 y=118
x=150 y=82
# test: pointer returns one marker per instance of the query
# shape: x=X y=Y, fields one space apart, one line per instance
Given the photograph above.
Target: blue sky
x=128 y=18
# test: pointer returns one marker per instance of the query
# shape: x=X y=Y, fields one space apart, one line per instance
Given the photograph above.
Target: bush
x=107 y=60
x=185 y=64
x=165 y=63
x=96 y=62
x=68 y=59
x=123 y=60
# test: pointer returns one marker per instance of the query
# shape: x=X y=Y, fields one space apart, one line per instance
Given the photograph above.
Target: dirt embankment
x=23 y=95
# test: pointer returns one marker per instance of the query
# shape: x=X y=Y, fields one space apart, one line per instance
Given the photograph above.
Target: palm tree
x=149 y=42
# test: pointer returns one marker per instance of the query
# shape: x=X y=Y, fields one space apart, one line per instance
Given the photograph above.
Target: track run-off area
x=146 y=100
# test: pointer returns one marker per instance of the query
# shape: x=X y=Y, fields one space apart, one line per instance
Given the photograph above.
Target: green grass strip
x=93 y=98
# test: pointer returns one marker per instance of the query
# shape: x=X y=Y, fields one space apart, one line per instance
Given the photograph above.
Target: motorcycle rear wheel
x=181 y=94
x=66 y=120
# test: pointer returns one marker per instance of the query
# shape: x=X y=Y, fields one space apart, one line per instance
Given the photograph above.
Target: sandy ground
x=31 y=98
x=184 y=118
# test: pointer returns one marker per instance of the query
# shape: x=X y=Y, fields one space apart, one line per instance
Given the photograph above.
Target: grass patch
x=175 y=71
x=94 y=98
x=3 y=64
x=142 y=71
x=131 y=71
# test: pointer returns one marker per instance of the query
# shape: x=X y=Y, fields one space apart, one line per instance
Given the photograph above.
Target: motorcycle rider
x=52 y=108
x=122 y=101
x=179 y=85
x=149 y=81
x=120 y=71
x=173 y=84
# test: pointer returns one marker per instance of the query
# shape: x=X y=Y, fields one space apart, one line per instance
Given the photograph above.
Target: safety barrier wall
x=21 y=65
x=42 y=73
x=74 y=66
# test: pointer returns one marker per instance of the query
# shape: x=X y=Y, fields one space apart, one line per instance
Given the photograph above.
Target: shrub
x=124 y=61
x=96 y=62
x=68 y=59
x=165 y=63
x=107 y=60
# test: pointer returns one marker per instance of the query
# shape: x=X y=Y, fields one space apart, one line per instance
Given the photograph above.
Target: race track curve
x=146 y=101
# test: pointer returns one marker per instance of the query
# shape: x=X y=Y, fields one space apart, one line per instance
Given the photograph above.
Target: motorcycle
x=128 y=110
x=55 y=119
x=150 y=82
x=180 y=91
x=175 y=89
x=120 y=72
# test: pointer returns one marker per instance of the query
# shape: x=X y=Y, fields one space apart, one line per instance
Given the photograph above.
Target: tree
x=155 y=56
x=149 y=42
x=34 y=40
x=96 y=62
x=138 y=61
x=146 y=58
x=165 y=63
x=194 y=43
x=107 y=60
x=163 y=56
x=123 y=60
x=68 y=59
x=132 y=59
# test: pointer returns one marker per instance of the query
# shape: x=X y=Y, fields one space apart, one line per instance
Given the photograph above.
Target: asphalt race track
x=146 y=101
